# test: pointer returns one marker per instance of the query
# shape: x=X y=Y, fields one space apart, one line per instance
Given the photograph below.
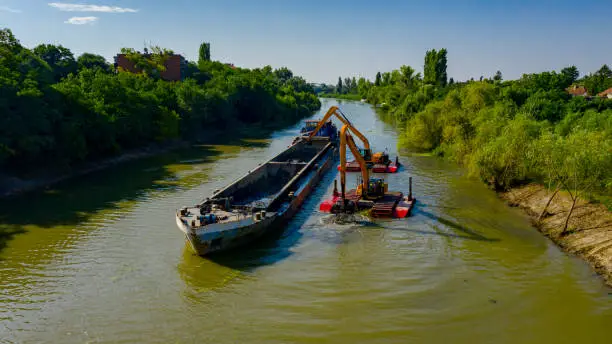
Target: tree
x=204 y=53
x=60 y=59
x=441 y=68
x=91 y=113
x=339 y=86
x=570 y=74
x=386 y=78
x=353 y=85
x=498 y=76
x=408 y=75
x=579 y=163
x=283 y=74
x=604 y=72
x=378 y=79
x=435 y=67
x=363 y=86
x=347 y=85
x=451 y=81
x=93 y=61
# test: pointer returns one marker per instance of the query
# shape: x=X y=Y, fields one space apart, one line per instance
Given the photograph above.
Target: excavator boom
x=347 y=140
x=334 y=110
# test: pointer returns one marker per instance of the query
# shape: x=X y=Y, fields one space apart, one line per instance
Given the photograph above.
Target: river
x=99 y=259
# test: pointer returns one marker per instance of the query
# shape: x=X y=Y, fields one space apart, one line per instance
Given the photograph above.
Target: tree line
x=56 y=110
x=506 y=132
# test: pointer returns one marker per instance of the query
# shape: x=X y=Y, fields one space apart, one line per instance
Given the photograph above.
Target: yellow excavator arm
x=334 y=110
x=347 y=140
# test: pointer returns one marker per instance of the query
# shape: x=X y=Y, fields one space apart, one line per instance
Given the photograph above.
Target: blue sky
x=322 y=40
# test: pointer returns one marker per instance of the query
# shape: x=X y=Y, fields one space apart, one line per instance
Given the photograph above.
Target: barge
x=260 y=201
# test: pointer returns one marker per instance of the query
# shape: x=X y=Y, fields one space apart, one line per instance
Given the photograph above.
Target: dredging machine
x=371 y=194
x=378 y=162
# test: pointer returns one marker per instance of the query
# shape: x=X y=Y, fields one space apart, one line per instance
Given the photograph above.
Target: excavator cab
x=376 y=187
x=381 y=158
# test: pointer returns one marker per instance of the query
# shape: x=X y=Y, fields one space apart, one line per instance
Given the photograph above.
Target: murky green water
x=99 y=259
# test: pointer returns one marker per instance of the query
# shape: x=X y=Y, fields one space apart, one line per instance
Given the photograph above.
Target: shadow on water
x=216 y=271
x=74 y=201
x=462 y=231
x=77 y=199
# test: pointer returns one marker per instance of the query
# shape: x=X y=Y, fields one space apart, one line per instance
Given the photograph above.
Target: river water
x=99 y=259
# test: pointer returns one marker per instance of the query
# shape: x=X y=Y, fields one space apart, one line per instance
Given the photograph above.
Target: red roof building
x=606 y=94
x=175 y=67
x=577 y=90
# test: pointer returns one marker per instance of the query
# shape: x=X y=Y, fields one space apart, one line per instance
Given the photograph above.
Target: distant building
x=606 y=94
x=175 y=66
x=231 y=65
x=577 y=91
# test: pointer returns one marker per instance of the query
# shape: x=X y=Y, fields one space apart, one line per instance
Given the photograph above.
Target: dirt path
x=589 y=233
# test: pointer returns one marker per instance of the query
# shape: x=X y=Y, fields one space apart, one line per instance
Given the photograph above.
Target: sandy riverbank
x=589 y=233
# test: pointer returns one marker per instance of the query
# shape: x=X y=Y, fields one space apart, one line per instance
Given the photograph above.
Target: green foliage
x=60 y=59
x=512 y=132
x=599 y=81
x=435 y=67
x=204 y=52
x=283 y=74
x=55 y=111
x=506 y=132
x=92 y=61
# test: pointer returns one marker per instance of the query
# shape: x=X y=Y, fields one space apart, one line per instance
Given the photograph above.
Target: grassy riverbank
x=590 y=236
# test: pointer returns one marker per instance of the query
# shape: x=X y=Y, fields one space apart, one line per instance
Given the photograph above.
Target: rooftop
x=605 y=93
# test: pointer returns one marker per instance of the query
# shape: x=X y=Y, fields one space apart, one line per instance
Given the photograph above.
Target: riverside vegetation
x=57 y=110
x=515 y=135
x=508 y=133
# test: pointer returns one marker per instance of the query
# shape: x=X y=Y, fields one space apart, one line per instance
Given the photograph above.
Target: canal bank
x=98 y=258
x=12 y=184
x=589 y=233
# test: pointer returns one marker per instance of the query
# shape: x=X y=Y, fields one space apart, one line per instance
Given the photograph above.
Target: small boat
x=261 y=200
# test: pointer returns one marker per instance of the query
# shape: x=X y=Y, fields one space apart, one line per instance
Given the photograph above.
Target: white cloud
x=90 y=8
x=8 y=9
x=81 y=20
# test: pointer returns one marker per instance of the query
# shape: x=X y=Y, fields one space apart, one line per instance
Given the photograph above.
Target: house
x=175 y=66
x=577 y=91
x=606 y=94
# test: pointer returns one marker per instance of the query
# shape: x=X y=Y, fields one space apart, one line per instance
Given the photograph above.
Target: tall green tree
x=498 y=76
x=435 y=67
x=571 y=74
x=339 y=87
x=204 y=53
x=378 y=80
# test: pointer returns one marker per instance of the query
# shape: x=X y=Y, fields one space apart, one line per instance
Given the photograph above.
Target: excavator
x=371 y=193
x=379 y=162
